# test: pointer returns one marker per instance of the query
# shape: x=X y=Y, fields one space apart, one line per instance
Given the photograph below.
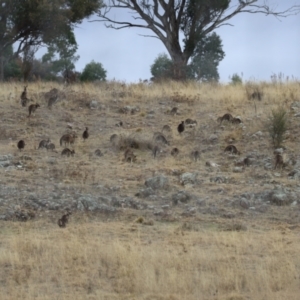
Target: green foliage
x=93 y=71
x=12 y=66
x=277 y=126
x=61 y=54
x=196 y=15
x=34 y=22
x=204 y=64
x=236 y=79
x=206 y=58
x=162 y=67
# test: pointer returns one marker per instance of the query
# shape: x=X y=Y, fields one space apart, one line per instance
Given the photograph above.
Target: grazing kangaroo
x=23 y=97
x=68 y=152
x=50 y=146
x=244 y=162
x=174 y=111
x=32 y=108
x=21 y=145
x=129 y=156
x=174 y=152
x=166 y=128
x=226 y=117
x=62 y=222
x=68 y=138
x=44 y=144
x=232 y=149
x=236 y=120
x=98 y=152
x=85 y=134
x=190 y=123
x=160 y=138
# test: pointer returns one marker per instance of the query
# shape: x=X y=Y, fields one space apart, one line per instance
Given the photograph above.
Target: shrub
x=278 y=125
x=93 y=71
x=236 y=79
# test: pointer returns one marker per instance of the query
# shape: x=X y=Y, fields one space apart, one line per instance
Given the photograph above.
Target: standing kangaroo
x=23 y=97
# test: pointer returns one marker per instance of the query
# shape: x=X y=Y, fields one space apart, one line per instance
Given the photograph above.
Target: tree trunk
x=179 y=66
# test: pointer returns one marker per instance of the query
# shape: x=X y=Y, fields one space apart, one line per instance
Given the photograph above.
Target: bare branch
x=166 y=19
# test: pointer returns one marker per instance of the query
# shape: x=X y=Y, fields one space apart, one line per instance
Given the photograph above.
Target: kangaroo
x=85 y=134
x=166 y=128
x=62 y=222
x=129 y=156
x=23 y=97
x=21 y=145
x=226 y=117
x=68 y=152
x=195 y=155
x=278 y=161
x=50 y=146
x=180 y=127
x=98 y=152
x=160 y=138
x=236 y=120
x=232 y=149
x=174 y=152
x=32 y=108
x=68 y=138
x=44 y=144
x=155 y=151
x=52 y=100
x=174 y=111
x=190 y=123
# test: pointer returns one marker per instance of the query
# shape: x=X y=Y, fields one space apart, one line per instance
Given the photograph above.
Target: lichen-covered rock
x=157 y=182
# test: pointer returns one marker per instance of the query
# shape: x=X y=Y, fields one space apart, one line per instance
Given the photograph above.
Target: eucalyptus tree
x=169 y=20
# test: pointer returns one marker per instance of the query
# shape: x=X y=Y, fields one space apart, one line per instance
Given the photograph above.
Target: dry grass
x=125 y=260
x=202 y=257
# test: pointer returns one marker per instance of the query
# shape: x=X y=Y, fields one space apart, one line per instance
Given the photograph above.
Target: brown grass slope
x=203 y=256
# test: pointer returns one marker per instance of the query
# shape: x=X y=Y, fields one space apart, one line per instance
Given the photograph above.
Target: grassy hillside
x=210 y=247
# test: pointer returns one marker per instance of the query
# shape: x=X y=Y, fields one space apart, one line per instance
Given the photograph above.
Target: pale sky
x=255 y=46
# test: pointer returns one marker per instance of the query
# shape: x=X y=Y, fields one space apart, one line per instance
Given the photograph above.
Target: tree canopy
x=93 y=71
x=193 y=19
x=203 y=65
x=37 y=22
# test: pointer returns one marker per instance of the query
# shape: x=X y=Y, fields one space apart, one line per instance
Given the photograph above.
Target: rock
x=201 y=202
x=7 y=157
x=244 y=203
x=157 y=182
x=189 y=211
x=295 y=104
x=94 y=104
x=213 y=138
x=129 y=109
x=280 y=197
x=238 y=170
x=92 y=204
x=262 y=208
x=4 y=164
x=144 y=193
x=219 y=179
x=181 y=196
x=188 y=178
